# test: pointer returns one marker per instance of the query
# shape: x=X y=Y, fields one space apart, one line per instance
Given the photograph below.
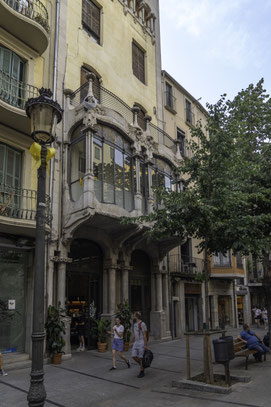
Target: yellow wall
x=231 y=271
x=113 y=58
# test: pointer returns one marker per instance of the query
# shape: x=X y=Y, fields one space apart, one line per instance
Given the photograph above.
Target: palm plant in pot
x=125 y=315
x=54 y=329
x=102 y=334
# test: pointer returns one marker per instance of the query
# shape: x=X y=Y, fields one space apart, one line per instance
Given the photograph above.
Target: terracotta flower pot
x=56 y=358
x=102 y=347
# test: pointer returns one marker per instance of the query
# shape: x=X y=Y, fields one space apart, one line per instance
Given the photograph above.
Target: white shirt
x=120 y=329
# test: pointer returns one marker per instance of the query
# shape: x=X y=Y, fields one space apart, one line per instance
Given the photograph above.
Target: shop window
x=12 y=71
x=95 y=84
x=138 y=61
x=91 y=19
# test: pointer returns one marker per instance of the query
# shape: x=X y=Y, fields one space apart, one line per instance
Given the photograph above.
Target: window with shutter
x=138 y=60
x=91 y=16
x=95 y=84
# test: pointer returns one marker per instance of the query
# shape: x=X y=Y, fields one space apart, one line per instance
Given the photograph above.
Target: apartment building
x=26 y=55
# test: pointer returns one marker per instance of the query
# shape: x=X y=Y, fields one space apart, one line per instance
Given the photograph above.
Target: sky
x=212 y=47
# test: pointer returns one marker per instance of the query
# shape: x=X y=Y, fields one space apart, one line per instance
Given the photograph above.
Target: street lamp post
x=44 y=114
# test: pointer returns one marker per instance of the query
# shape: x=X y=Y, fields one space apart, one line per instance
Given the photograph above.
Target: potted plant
x=125 y=315
x=102 y=333
x=54 y=329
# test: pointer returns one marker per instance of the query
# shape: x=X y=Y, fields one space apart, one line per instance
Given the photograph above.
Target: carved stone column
x=159 y=292
x=166 y=298
x=112 y=289
x=105 y=291
x=135 y=110
x=153 y=292
x=125 y=283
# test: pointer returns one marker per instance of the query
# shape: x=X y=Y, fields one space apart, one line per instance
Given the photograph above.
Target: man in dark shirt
x=253 y=341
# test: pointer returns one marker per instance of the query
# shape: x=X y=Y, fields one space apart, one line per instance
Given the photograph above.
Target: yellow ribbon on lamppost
x=35 y=151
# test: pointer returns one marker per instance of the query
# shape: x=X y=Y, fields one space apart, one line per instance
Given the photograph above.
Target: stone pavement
x=85 y=381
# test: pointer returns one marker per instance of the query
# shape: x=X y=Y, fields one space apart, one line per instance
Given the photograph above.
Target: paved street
x=86 y=381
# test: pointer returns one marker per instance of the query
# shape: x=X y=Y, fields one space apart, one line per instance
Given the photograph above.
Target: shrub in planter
x=54 y=329
x=125 y=315
x=102 y=334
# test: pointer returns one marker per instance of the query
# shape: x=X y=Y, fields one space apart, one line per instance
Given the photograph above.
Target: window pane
x=97 y=168
x=128 y=188
x=119 y=177
x=138 y=61
x=78 y=160
x=91 y=19
x=108 y=175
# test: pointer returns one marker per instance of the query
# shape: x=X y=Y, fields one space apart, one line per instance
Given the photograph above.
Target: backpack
x=147 y=358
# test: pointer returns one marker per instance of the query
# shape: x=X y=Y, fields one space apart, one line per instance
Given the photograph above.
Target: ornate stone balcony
x=26 y=20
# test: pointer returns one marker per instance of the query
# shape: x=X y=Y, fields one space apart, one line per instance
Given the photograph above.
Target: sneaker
x=141 y=374
x=112 y=368
x=128 y=363
x=79 y=349
x=3 y=373
x=83 y=349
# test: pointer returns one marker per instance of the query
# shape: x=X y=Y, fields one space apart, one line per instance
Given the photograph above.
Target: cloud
x=218 y=30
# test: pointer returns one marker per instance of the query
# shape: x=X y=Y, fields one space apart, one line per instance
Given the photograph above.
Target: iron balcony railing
x=15 y=92
x=111 y=101
x=21 y=203
x=170 y=100
x=185 y=265
x=33 y=9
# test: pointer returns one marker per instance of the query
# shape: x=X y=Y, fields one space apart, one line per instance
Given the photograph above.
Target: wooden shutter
x=138 y=58
x=91 y=18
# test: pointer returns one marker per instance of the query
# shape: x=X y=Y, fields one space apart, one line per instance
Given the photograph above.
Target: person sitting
x=2 y=372
x=253 y=341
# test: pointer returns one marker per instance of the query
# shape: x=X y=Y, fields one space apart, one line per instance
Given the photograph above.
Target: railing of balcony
x=21 y=203
x=34 y=9
x=111 y=101
x=185 y=265
x=170 y=100
x=189 y=117
x=15 y=92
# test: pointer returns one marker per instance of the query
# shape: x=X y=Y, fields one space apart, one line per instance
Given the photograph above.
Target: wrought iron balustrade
x=185 y=265
x=33 y=9
x=15 y=92
x=21 y=203
x=111 y=101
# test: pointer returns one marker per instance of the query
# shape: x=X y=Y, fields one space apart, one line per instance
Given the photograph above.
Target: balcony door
x=12 y=69
x=10 y=180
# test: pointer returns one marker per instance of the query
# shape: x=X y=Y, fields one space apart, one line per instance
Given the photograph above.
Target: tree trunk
x=207 y=276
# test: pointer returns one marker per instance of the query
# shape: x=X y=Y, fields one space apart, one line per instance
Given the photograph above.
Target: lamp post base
x=37 y=394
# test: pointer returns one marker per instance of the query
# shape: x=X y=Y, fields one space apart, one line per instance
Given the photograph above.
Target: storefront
x=193 y=308
x=224 y=310
x=83 y=286
x=13 y=289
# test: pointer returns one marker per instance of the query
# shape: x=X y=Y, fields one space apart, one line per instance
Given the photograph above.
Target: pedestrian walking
x=265 y=318
x=80 y=328
x=258 y=315
x=140 y=343
x=2 y=372
x=118 y=344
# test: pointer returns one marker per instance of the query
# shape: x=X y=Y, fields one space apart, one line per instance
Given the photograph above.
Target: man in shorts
x=140 y=343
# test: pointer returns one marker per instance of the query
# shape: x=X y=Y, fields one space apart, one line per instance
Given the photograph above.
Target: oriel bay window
x=113 y=168
x=77 y=163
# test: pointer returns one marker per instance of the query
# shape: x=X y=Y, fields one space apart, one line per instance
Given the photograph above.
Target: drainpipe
x=52 y=166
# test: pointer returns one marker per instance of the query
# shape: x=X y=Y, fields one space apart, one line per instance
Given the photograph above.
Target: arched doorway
x=84 y=285
x=140 y=285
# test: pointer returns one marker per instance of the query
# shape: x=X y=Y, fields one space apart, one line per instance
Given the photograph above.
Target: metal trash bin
x=223 y=349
